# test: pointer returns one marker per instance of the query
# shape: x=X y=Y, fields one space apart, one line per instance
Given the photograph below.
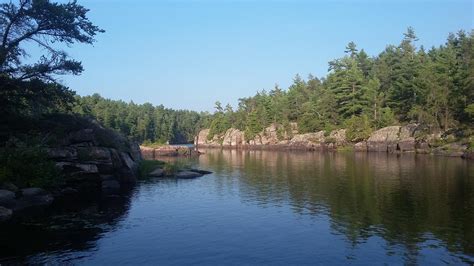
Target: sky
x=189 y=54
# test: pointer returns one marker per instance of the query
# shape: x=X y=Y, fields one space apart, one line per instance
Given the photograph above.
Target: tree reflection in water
x=405 y=199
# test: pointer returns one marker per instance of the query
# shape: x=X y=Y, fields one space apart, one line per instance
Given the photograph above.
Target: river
x=270 y=207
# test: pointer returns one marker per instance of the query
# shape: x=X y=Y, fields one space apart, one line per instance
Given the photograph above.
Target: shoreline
x=468 y=155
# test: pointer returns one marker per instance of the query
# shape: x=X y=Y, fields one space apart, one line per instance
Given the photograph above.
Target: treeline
x=404 y=83
x=142 y=122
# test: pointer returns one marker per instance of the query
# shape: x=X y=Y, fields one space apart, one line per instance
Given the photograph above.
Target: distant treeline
x=404 y=83
x=142 y=122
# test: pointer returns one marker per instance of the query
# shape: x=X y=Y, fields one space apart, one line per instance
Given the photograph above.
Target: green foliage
x=219 y=125
x=402 y=84
x=27 y=165
x=147 y=166
x=144 y=122
x=43 y=23
x=387 y=118
x=358 y=128
x=253 y=126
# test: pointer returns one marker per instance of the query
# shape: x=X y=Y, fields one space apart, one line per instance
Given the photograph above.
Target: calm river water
x=268 y=207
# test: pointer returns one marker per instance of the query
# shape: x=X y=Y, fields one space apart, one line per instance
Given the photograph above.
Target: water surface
x=267 y=207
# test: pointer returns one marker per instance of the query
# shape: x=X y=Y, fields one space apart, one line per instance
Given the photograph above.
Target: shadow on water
x=66 y=228
x=407 y=199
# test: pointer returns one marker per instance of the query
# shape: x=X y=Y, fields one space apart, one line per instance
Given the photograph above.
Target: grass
x=147 y=166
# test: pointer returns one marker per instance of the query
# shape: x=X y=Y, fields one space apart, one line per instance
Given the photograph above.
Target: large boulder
x=384 y=139
x=201 y=138
x=360 y=146
x=308 y=140
x=233 y=138
x=338 y=137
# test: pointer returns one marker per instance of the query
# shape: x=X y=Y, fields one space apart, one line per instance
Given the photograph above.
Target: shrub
x=147 y=166
x=27 y=165
x=358 y=128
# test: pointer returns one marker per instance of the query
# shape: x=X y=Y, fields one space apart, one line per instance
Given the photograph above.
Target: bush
x=27 y=165
x=358 y=128
x=147 y=166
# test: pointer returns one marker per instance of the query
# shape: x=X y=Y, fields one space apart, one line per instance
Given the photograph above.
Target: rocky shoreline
x=153 y=153
x=393 y=139
x=92 y=162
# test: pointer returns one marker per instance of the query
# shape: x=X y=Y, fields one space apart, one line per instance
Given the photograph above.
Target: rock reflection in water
x=66 y=229
x=405 y=199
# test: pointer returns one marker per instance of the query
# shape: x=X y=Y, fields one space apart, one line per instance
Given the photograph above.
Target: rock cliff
x=392 y=139
x=92 y=161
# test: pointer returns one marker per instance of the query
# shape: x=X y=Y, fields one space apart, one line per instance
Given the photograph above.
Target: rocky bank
x=93 y=162
x=392 y=139
x=153 y=153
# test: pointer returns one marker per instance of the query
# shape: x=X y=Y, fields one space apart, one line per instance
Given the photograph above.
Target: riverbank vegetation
x=404 y=83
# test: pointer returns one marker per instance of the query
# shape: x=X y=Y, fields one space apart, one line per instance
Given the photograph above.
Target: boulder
x=338 y=136
x=361 y=146
x=201 y=138
x=5 y=214
x=407 y=144
x=7 y=198
x=127 y=160
x=158 y=172
x=422 y=147
x=33 y=197
x=188 y=174
x=233 y=138
x=308 y=140
x=384 y=139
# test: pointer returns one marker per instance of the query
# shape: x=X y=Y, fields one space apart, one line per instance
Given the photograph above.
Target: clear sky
x=188 y=54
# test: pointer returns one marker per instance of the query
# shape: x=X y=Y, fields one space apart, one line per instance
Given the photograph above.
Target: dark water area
x=269 y=207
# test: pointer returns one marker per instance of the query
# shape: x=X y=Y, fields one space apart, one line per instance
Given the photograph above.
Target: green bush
x=27 y=165
x=358 y=128
x=147 y=166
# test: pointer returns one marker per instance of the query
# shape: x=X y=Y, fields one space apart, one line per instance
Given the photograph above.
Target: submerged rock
x=203 y=172
x=188 y=174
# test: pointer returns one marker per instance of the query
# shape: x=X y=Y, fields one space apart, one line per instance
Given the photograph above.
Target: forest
x=404 y=83
x=143 y=123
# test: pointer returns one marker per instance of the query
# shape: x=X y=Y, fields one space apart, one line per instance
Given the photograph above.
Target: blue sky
x=188 y=54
